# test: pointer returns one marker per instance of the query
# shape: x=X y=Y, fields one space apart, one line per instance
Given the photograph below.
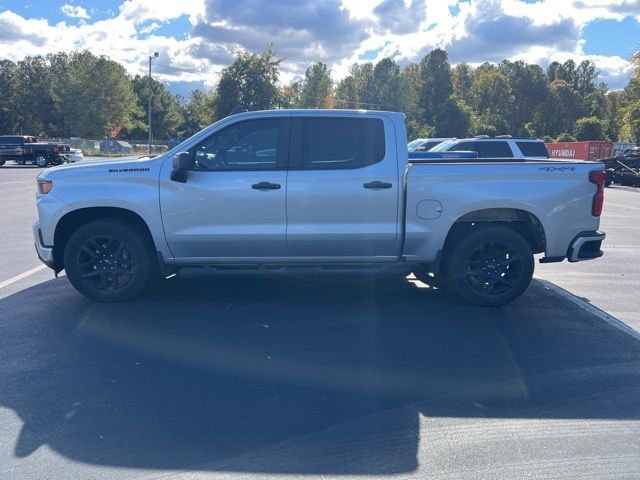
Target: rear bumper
x=45 y=253
x=586 y=246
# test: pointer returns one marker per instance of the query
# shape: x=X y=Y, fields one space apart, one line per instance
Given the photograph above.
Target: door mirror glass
x=181 y=165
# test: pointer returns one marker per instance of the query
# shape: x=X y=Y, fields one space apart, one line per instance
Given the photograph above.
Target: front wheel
x=108 y=261
x=41 y=160
x=491 y=266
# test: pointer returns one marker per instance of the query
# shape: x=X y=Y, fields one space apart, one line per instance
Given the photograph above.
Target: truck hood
x=104 y=169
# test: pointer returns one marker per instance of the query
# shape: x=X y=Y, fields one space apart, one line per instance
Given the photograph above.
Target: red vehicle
x=589 y=150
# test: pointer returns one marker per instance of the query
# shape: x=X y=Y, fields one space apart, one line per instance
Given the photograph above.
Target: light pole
x=151 y=57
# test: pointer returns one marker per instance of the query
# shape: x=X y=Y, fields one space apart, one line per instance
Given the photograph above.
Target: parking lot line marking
x=628 y=207
x=22 y=275
x=601 y=314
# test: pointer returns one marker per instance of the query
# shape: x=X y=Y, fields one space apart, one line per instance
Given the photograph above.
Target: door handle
x=377 y=185
x=266 y=186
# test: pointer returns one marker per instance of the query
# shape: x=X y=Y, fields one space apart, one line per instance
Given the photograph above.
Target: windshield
x=411 y=146
x=444 y=146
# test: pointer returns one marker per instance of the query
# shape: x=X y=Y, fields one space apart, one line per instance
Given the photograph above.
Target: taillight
x=598 y=178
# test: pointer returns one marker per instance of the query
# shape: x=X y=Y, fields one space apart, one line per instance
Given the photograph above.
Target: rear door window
x=462 y=146
x=533 y=149
x=493 y=149
x=341 y=143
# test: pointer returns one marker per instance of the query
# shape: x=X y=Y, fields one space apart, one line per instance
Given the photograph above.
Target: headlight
x=44 y=186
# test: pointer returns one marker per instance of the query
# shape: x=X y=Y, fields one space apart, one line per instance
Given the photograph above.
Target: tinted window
x=466 y=146
x=533 y=149
x=428 y=146
x=249 y=145
x=414 y=144
x=333 y=143
x=497 y=149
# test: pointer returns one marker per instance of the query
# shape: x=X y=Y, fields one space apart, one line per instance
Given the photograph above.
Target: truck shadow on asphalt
x=294 y=376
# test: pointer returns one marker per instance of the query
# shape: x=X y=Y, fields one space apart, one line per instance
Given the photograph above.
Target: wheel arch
x=74 y=219
x=522 y=221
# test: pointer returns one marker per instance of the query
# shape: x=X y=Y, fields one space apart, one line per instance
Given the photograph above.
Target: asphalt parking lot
x=332 y=378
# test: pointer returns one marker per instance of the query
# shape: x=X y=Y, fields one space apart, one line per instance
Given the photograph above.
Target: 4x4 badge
x=558 y=169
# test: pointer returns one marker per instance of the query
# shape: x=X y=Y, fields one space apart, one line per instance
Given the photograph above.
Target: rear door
x=343 y=188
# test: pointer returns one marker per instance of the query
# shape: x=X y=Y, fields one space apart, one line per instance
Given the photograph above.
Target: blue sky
x=197 y=38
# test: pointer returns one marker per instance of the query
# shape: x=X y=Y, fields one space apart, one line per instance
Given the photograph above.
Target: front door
x=233 y=202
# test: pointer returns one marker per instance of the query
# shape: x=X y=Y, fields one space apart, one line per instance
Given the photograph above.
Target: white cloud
x=338 y=33
x=72 y=11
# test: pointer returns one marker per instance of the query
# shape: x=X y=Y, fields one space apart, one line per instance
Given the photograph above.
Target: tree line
x=84 y=95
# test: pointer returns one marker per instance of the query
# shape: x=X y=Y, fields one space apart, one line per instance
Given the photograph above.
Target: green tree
x=590 y=128
x=388 y=86
x=492 y=101
x=100 y=97
x=166 y=117
x=411 y=93
x=59 y=119
x=249 y=82
x=317 y=87
x=613 y=113
x=462 y=77
x=346 y=94
x=33 y=103
x=289 y=95
x=197 y=112
x=528 y=84
x=631 y=128
x=560 y=111
x=8 y=109
x=436 y=85
x=565 y=137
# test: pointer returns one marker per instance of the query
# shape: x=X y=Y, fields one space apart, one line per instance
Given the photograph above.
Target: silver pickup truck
x=310 y=191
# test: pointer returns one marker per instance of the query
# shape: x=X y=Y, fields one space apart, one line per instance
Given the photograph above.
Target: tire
x=20 y=161
x=490 y=266
x=2 y=162
x=109 y=260
x=41 y=160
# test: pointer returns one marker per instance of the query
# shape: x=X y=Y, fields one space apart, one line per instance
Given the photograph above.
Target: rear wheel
x=41 y=160
x=490 y=266
x=108 y=261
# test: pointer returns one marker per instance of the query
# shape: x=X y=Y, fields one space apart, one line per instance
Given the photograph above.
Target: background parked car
x=24 y=149
x=75 y=155
x=425 y=144
x=503 y=146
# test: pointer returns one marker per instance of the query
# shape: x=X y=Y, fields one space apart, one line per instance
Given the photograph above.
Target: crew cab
x=502 y=146
x=24 y=149
x=312 y=191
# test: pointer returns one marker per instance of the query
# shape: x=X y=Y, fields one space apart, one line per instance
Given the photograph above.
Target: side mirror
x=181 y=165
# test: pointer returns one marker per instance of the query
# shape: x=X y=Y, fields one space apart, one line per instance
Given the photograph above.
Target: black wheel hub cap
x=105 y=263
x=493 y=268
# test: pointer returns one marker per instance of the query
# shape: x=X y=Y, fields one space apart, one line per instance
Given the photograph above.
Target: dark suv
x=24 y=149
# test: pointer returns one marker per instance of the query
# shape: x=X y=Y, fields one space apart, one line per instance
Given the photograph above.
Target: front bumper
x=45 y=253
x=586 y=246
